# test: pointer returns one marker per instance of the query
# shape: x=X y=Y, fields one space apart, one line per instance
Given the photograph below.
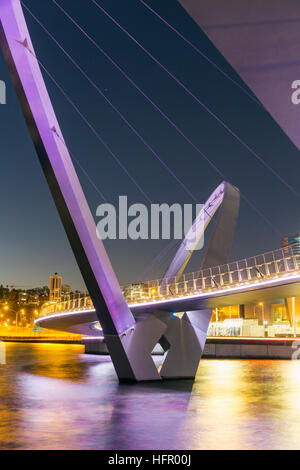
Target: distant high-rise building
x=66 y=292
x=292 y=240
x=55 y=288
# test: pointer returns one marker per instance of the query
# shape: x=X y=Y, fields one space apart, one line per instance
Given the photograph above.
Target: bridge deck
x=268 y=276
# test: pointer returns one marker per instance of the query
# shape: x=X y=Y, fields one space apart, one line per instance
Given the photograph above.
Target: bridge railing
x=258 y=268
x=262 y=267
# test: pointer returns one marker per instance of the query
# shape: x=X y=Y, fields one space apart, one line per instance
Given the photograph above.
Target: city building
x=55 y=288
x=292 y=240
x=22 y=297
x=138 y=289
x=66 y=292
x=33 y=299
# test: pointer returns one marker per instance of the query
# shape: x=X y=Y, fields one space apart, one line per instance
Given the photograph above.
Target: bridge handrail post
x=295 y=259
x=203 y=282
x=257 y=266
x=286 y=266
x=229 y=274
x=266 y=266
x=275 y=263
x=221 y=277
x=248 y=270
x=184 y=284
x=159 y=290
x=211 y=278
x=239 y=272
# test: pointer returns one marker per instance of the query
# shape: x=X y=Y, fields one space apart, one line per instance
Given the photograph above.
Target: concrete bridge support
x=186 y=337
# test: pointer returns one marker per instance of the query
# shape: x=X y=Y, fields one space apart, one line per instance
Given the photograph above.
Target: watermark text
x=160 y=222
x=296 y=94
x=2 y=92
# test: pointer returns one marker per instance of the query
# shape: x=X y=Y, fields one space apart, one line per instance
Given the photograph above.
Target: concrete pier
x=225 y=348
x=237 y=348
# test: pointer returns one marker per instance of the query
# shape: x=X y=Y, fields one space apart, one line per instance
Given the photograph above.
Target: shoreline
x=7 y=339
x=215 y=348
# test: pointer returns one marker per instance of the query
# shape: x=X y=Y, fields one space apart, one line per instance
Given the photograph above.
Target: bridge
x=133 y=323
x=267 y=276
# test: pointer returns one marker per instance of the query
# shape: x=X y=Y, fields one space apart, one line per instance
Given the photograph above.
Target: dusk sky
x=33 y=241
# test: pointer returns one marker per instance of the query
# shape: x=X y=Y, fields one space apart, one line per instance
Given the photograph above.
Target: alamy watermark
x=2 y=353
x=296 y=94
x=161 y=221
x=2 y=92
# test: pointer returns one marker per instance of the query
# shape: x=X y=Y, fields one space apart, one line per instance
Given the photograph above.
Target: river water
x=55 y=397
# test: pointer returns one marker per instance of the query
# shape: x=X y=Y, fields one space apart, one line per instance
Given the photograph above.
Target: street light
x=16 y=312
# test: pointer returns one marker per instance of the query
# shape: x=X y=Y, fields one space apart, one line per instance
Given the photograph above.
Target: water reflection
x=55 y=397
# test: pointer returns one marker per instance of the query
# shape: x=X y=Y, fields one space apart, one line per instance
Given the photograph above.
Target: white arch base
x=134 y=347
x=185 y=339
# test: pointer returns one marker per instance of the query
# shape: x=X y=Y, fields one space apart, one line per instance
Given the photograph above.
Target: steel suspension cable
x=162 y=254
x=96 y=133
x=102 y=94
x=224 y=177
x=120 y=114
x=161 y=112
x=202 y=104
x=157 y=258
x=92 y=127
x=201 y=53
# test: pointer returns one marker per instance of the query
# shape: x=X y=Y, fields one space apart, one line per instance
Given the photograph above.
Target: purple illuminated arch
x=61 y=176
x=129 y=350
